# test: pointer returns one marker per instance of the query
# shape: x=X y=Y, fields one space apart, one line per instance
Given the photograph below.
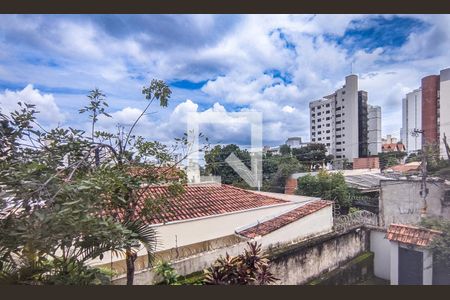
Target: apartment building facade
x=412 y=120
x=434 y=113
x=340 y=121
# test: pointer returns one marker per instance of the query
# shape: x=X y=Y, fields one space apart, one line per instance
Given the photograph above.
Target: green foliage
x=67 y=197
x=329 y=186
x=276 y=170
x=216 y=165
x=167 y=272
x=312 y=155
x=389 y=159
x=249 y=268
x=285 y=150
x=440 y=245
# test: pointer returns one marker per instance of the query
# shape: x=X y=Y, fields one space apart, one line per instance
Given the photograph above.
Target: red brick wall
x=430 y=86
x=366 y=163
x=291 y=186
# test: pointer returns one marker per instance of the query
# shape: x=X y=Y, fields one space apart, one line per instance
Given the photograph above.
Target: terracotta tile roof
x=284 y=219
x=409 y=167
x=411 y=235
x=393 y=147
x=200 y=201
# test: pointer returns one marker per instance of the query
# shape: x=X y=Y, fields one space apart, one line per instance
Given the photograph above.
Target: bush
x=250 y=268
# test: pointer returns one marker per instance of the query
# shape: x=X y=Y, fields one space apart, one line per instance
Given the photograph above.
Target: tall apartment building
x=436 y=109
x=411 y=120
x=374 y=130
x=341 y=122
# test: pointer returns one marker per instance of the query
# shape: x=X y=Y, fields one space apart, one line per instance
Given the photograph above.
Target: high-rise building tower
x=436 y=109
x=341 y=122
x=412 y=120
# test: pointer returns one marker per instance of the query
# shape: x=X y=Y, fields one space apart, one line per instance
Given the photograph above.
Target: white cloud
x=288 y=109
x=45 y=103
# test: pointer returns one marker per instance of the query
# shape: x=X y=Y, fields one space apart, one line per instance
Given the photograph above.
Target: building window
x=313 y=115
x=318 y=120
x=319 y=113
x=319 y=126
x=338 y=129
x=338 y=136
x=342 y=99
x=319 y=132
x=313 y=127
x=338 y=108
x=338 y=115
x=338 y=143
x=328 y=124
x=328 y=131
x=327 y=118
x=319 y=139
x=313 y=139
x=338 y=122
x=338 y=150
x=338 y=156
x=328 y=105
x=328 y=144
x=327 y=111
x=328 y=137
x=343 y=92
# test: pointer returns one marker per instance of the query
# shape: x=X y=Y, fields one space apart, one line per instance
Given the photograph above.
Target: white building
x=412 y=119
x=334 y=121
x=207 y=217
x=444 y=110
x=374 y=130
x=295 y=142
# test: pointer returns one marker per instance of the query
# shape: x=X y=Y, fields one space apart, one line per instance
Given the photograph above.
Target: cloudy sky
x=274 y=64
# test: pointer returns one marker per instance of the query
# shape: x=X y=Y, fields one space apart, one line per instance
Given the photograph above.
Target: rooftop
x=199 y=201
x=412 y=235
x=284 y=219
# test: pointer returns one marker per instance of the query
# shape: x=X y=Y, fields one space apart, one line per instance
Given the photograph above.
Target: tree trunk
x=130 y=259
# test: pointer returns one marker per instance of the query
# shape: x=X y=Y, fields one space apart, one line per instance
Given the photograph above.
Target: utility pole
x=423 y=188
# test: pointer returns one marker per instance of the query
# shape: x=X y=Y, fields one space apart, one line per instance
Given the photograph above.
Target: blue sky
x=274 y=64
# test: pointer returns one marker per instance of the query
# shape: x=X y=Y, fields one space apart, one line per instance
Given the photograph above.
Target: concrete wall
x=305 y=262
x=380 y=246
x=400 y=201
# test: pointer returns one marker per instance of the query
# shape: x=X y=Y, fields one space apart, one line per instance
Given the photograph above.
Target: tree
x=285 y=150
x=389 y=159
x=217 y=166
x=329 y=186
x=68 y=196
x=312 y=155
x=249 y=268
x=277 y=169
x=440 y=245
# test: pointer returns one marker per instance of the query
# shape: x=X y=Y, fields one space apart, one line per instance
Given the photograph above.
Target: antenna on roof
x=351 y=68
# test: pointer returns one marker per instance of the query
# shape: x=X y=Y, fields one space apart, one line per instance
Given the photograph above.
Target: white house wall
x=197 y=230
x=380 y=246
x=317 y=223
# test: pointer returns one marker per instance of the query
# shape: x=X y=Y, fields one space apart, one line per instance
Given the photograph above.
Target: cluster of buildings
x=350 y=127
x=427 y=110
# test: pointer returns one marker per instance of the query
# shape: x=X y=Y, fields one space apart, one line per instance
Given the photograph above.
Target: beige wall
x=202 y=229
x=316 y=224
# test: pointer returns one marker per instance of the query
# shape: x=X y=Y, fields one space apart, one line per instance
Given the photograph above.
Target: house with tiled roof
x=209 y=216
x=411 y=261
